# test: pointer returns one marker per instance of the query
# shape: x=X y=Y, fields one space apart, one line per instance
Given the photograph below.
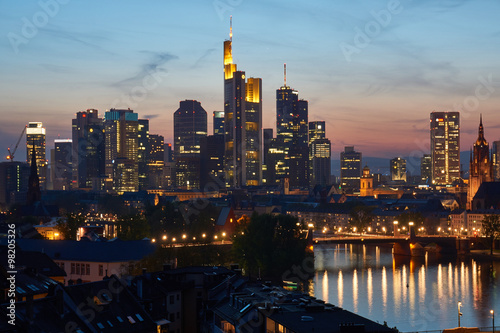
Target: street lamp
x=459 y=313
x=493 y=320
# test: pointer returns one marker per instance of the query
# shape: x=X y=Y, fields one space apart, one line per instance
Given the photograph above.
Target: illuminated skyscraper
x=398 y=169
x=190 y=125
x=481 y=166
x=292 y=129
x=350 y=169
x=35 y=135
x=495 y=157
x=445 y=147
x=88 y=157
x=156 y=161
x=13 y=182
x=122 y=142
x=62 y=164
x=242 y=124
x=426 y=169
x=143 y=153
x=319 y=154
x=212 y=163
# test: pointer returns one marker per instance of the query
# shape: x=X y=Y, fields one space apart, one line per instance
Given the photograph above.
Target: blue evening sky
x=374 y=82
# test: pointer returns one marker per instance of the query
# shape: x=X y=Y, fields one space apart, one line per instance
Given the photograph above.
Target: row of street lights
x=492 y=317
x=184 y=237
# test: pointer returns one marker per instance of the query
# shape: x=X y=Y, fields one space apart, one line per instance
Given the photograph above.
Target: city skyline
x=419 y=58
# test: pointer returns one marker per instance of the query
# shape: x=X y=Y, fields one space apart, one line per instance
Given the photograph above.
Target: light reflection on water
x=413 y=294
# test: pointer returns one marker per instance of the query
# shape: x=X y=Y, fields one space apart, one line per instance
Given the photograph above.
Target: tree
x=68 y=227
x=405 y=218
x=270 y=245
x=491 y=229
x=132 y=227
x=361 y=217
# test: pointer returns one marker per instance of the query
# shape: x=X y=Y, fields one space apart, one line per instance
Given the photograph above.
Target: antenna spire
x=231 y=28
x=284 y=72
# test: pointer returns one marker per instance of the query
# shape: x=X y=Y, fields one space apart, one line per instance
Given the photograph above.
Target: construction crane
x=12 y=153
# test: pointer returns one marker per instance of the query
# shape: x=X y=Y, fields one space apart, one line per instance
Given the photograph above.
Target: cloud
x=76 y=37
x=151 y=116
x=157 y=60
x=203 y=57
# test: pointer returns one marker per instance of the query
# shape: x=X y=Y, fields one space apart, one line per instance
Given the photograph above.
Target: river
x=413 y=294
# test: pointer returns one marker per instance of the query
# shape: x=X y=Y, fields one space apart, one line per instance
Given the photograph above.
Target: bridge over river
x=403 y=245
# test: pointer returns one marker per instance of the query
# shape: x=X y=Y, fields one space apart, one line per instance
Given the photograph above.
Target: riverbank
x=485 y=255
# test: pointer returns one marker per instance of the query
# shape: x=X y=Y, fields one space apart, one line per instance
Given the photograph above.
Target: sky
x=373 y=70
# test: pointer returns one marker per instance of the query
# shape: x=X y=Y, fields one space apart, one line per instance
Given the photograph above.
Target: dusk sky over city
x=373 y=70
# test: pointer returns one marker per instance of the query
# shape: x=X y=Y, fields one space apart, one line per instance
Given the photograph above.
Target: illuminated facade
x=445 y=147
x=190 y=126
x=366 y=183
x=426 y=169
x=35 y=136
x=292 y=130
x=88 y=156
x=121 y=149
x=319 y=154
x=156 y=161
x=481 y=167
x=398 y=169
x=143 y=153
x=350 y=169
x=242 y=124
x=495 y=158
x=267 y=134
x=62 y=164
x=218 y=123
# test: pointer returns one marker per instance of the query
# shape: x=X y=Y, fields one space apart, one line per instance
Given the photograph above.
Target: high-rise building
x=88 y=157
x=242 y=124
x=320 y=160
x=35 y=136
x=398 y=169
x=13 y=182
x=143 y=153
x=495 y=157
x=445 y=147
x=267 y=134
x=350 y=169
x=426 y=169
x=481 y=166
x=212 y=163
x=218 y=123
x=319 y=154
x=292 y=129
x=156 y=161
x=62 y=164
x=169 y=153
x=122 y=142
x=190 y=125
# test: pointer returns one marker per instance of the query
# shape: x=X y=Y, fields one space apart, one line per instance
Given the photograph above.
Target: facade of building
x=156 y=161
x=366 y=183
x=218 y=123
x=35 y=136
x=190 y=126
x=481 y=166
x=143 y=153
x=242 y=124
x=267 y=134
x=88 y=157
x=62 y=164
x=350 y=168
x=292 y=131
x=445 y=147
x=426 y=169
x=398 y=169
x=319 y=154
x=212 y=162
x=13 y=182
x=121 y=149
x=495 y=158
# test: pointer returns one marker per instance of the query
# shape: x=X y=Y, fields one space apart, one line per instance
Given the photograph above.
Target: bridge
x=403 y=245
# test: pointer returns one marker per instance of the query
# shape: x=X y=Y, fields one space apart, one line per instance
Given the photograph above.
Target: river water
x=413 y=294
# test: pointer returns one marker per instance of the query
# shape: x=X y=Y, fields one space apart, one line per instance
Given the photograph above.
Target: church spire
x=480 y=139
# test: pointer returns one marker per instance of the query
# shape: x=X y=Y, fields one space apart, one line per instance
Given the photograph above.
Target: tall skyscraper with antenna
x=242 y=123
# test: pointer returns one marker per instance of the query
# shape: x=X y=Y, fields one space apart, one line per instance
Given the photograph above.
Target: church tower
x=366 y=183
x=481 y=167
